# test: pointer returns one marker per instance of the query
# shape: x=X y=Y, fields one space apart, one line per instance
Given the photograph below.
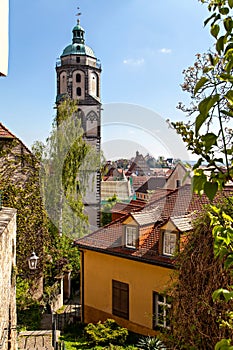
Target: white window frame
x=169 y=244
x=131 y=237
x=164 y=315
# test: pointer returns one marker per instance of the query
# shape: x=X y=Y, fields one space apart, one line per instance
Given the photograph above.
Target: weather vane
x=78 y=15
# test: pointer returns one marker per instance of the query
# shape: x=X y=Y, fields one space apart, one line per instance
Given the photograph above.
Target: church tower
x=78 y=76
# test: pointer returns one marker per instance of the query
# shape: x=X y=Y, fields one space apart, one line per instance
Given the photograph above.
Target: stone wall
x=7 y=279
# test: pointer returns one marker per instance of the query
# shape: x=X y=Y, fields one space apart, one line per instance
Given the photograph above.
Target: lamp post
x=32 y=261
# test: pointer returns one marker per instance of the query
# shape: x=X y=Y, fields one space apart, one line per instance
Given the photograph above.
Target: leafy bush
x=106 y=333
x=29 y=311
x=150 y=343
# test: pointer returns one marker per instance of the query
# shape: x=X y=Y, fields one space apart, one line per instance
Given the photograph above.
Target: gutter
x=121 y=255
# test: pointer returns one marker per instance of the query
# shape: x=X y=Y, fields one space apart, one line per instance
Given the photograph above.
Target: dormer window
x=169 y=243
x=131 y=237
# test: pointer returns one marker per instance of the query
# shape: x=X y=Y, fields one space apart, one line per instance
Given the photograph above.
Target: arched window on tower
x=94 y=84
x=78 y=78
x=79 y=91
x=63 y=83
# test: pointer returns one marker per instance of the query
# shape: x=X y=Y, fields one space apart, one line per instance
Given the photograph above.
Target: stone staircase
x=35 y=340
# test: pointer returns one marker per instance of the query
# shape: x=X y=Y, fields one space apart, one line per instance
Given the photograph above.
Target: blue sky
x=143 y=46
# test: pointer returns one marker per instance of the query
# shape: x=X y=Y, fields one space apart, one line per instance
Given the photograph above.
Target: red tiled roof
x=183 y=223
x=137 y=202
x=147 y=217
x=125 y=208
x=138 y=181
x=5 y=133
x=159 y=193
x=152 y=183
x=179 y=202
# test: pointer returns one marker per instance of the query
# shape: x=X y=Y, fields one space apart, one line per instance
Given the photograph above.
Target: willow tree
x=68 y=161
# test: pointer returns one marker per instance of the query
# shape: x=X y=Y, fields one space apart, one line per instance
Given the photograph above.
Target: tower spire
x=78 y=31
x=78 y=15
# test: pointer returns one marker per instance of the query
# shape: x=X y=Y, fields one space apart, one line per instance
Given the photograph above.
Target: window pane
x=161 y=310
x=131 y=237
x=169 y=243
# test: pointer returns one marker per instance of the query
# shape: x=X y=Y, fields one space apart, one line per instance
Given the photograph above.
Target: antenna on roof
x=78 y=15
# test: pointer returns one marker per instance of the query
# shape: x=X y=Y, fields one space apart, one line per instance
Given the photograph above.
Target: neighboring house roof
x=147 y=217
x=112 y=173
x=176 y=206
x=181 y=165
x=5 y=133
x=125 y=208
x=159 y=193
x=182 y=223
x=151 y=184
x=121 y=189
x=138 y=181
x=139 y=166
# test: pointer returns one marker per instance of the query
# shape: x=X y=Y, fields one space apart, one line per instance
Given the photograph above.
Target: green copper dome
x=78 y=27
x=78 y=46
x=78 y=49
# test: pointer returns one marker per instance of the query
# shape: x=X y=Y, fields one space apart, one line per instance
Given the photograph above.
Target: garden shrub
x=105 y=333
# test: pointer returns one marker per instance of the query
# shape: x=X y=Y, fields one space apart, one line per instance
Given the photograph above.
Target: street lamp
x=32 y=261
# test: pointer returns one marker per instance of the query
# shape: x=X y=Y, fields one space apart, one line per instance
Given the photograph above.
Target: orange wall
x=143 y=279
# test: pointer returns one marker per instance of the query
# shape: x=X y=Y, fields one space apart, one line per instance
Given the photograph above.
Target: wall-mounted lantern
x=32 y=261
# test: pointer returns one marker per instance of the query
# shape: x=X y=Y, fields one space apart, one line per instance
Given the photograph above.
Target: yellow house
x=128 y=265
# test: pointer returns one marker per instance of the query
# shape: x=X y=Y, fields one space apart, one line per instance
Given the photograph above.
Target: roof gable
x=147 y=217
x=151 y=184
x=5 y=133
x=181 y=223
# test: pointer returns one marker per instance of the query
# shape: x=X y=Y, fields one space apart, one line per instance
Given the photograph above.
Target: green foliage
x=28 y=309
x=106 y=333
x=68 y=167
x=19 y=182
x=209 y=135
x=74 y=338
x=150 y=343
x=224 y=344
x=205 y=322
x=106 y=215
x=209 y=82
x=62 y=256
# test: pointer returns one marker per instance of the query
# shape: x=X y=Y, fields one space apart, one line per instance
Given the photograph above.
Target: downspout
x=82 y=285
